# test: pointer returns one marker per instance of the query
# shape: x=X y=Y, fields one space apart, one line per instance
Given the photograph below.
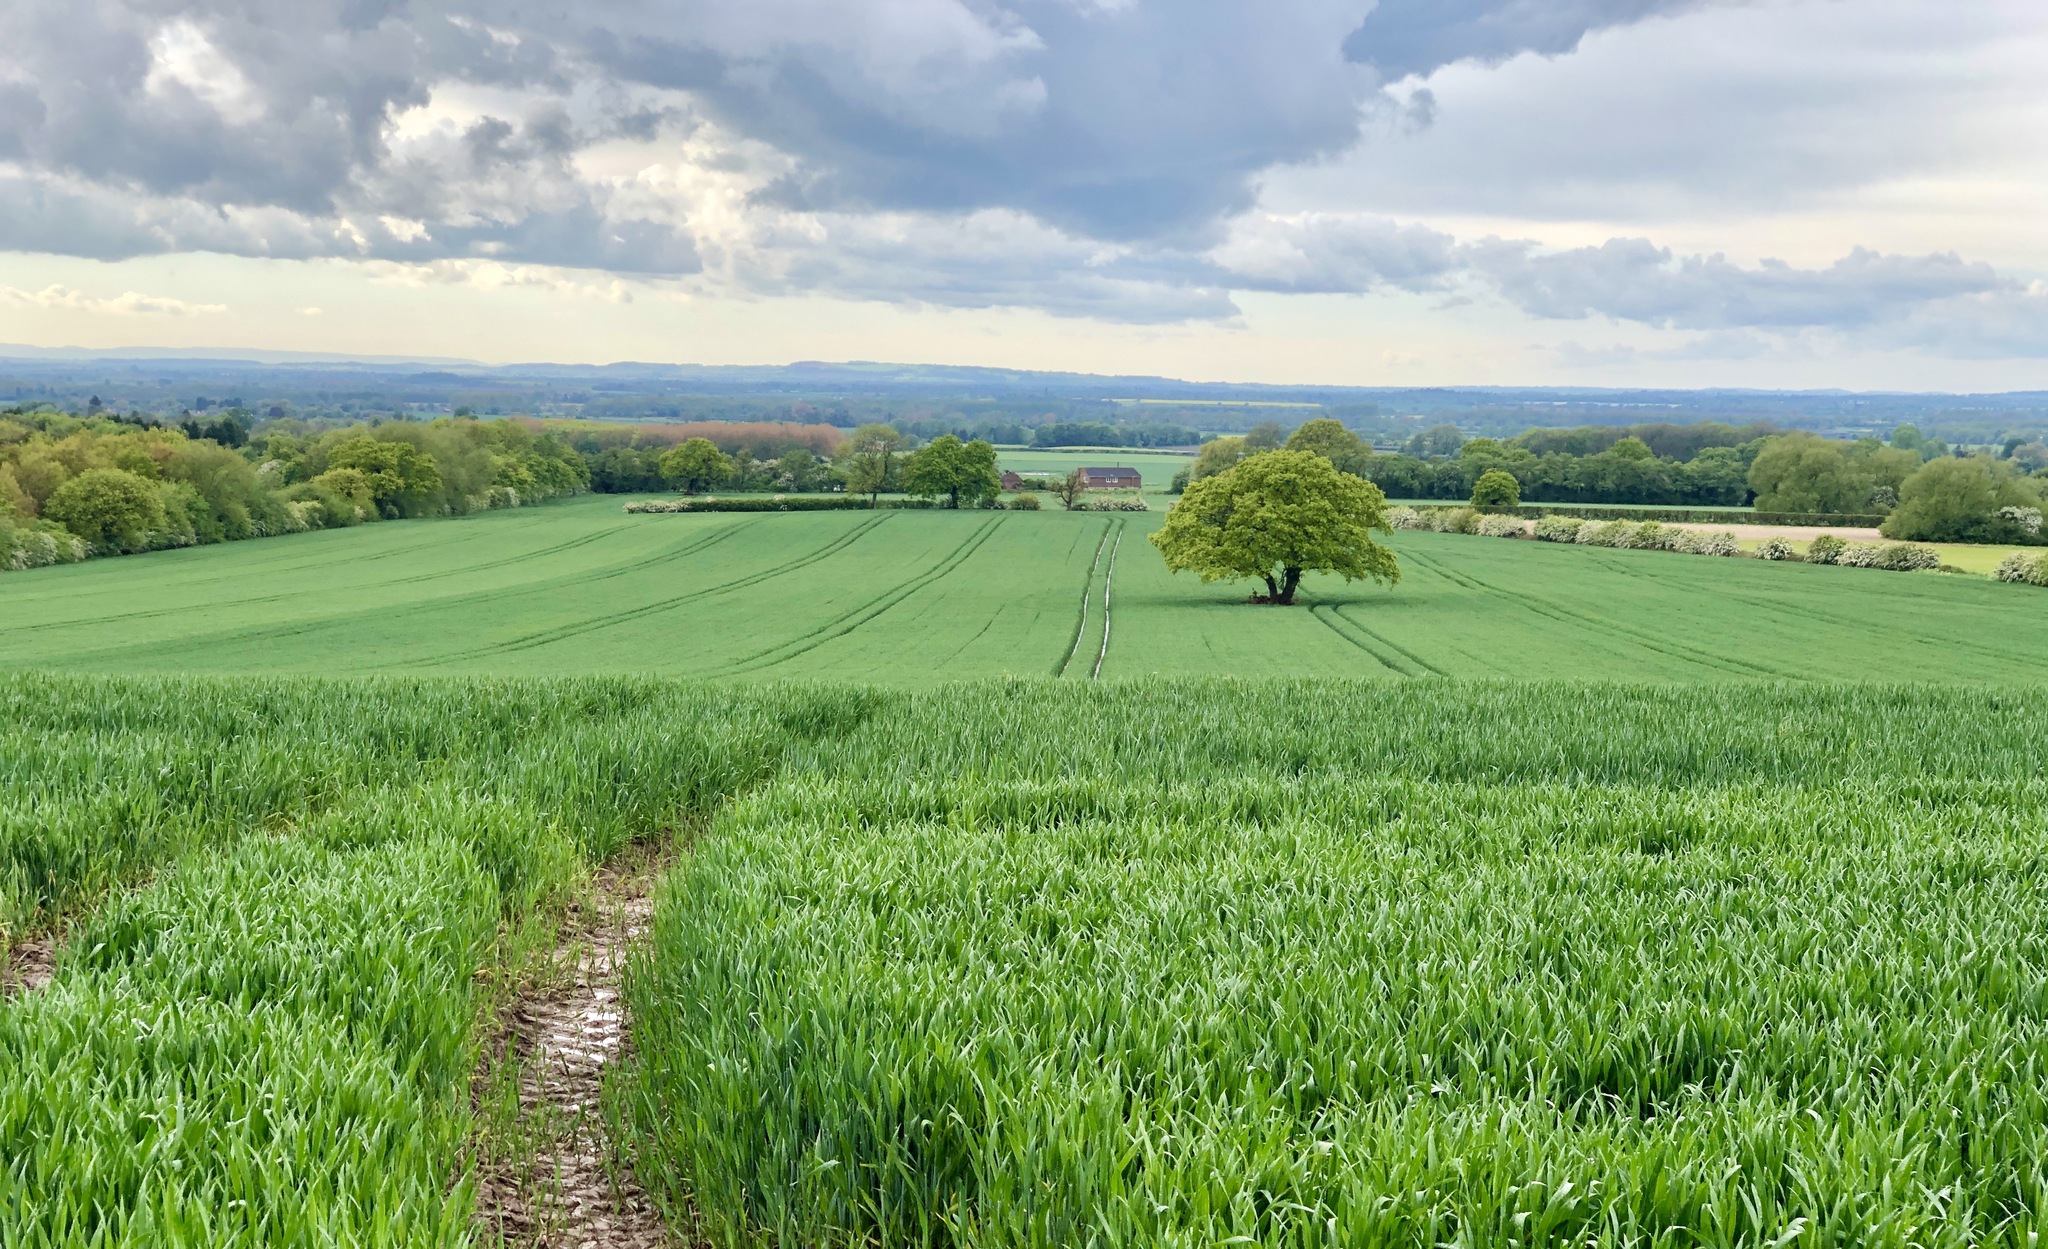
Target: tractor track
x=853 y=618
x=592 y=624
x=1087 y=592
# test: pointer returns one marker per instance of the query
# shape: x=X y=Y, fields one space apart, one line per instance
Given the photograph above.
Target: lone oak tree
x=1274 y=516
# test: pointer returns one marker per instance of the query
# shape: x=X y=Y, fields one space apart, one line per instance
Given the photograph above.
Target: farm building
x=1112 y=479
x=1011 y=481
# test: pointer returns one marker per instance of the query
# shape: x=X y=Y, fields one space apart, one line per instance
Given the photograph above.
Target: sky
x=1769 y=193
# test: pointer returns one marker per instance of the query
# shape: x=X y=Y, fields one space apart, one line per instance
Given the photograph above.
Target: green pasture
x=914 y=597
x=1156 y=467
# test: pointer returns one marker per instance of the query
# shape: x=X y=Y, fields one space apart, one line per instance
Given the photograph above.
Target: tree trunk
x=1289 y=579
x=1272 y=590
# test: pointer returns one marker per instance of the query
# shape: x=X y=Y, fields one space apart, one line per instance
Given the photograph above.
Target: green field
x=918 y=597
x=1156 y=467
x=1043 y=964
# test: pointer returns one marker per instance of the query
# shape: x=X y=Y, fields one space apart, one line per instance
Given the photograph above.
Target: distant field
x=1156 y=467
x=916 y=597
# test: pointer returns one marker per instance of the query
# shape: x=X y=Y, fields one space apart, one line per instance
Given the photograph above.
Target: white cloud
x=128 y=304
x=1613 y=162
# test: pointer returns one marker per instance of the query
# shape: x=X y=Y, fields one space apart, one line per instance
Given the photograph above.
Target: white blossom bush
x=1404 y=517
x=26 y=544
x=1453 y=519
x=2020 y=568
x=1721 y=545
x=1501 y=526
x=1559 y=529
x=1619 y=533
x=1890 y=556
x=1826 y=549
x=2027 y=518
x=1652 y=536
x=1778 y=549
x=1911 y=557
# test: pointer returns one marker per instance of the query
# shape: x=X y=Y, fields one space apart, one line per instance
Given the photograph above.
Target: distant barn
x=1011 y=481
x=1112 y=479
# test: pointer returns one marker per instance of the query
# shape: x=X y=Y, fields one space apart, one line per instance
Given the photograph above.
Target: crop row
x=1203 y=964
x=270 y=1043
x=1023 y=963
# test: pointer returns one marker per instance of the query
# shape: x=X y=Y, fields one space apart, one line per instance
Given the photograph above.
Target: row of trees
x=872 y=461
x=1928 y=493
x=1626 y=471
x=126 y=486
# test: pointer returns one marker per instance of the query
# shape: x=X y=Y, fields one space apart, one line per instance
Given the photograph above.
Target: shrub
x=2021 y=568
x=1115 y=503
x=1559 y=529
x=1023 y=503
x=1502 y=525
x=1890 y=556
x=1778 y=549
x=1405 y=518
x=2027 y=518
x=1453 y=519
x=1907 y=557
x=775 y=503
x=1652 y=536
x=37 y=543
x=1826 y=549
x=1612 y=533
x=1721 y=544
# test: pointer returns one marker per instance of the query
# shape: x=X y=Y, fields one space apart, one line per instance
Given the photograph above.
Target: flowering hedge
x=2021 y=568
x=773 y=503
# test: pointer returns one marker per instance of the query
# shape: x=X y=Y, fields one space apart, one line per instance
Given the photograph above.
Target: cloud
x=447 y=128
x=130 y=304
x=1735 y=111
x=1404 y=37
x=1635 y=280
x=1937 y=301
x=1142 y=161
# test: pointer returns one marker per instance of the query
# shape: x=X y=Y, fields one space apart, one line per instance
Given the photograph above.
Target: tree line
x=1924 y=489
x=873 y=460
x=74 y=487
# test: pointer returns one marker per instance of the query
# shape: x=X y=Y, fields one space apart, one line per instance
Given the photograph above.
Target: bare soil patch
x=30 y=964
x=550 y=1173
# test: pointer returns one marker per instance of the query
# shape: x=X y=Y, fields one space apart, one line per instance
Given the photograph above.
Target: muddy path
x=549 y=1173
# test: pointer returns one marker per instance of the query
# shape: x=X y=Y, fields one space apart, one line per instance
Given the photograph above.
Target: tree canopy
x=868 y=459
x=1329 y=439
x=111 y=508
x=695 y=466
x=1496 y=490
x=953 y=470
x=396 y=472
x=1274 y=516
x=1953 y=500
